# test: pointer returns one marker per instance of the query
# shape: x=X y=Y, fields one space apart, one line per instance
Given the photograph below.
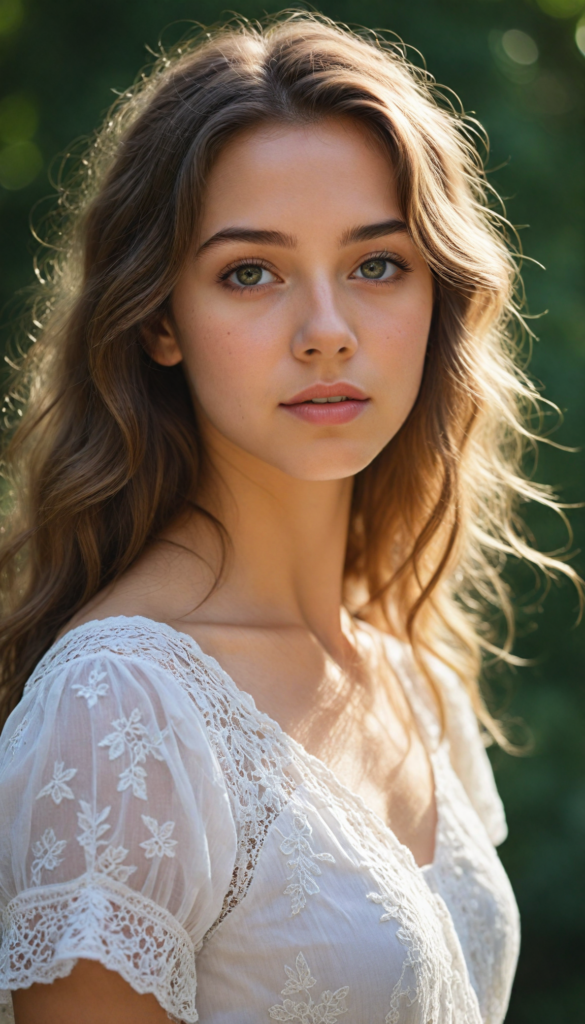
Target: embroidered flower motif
x=133 y=778
x=130 y=733
x=392 y=910
x=162 y=844
x=110 y=863
x=93 y=689
x=93 y=824
x=46 y=851
x=326 y=1011
x=57 y=788
x=302 y=862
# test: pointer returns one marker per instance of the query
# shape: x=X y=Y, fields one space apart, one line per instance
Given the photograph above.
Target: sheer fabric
x=154 y=820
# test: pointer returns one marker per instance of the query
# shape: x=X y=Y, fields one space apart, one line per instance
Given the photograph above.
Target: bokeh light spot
x=18 y=119
x=19 y=165
x=519 y=46
x=10 y=15
x=562 y=8
x=580 y=35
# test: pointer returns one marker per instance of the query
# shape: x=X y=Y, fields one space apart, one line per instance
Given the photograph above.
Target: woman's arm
x=90 y=995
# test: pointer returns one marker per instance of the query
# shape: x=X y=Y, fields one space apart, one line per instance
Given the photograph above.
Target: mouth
x=322 y=401
x=328 y=403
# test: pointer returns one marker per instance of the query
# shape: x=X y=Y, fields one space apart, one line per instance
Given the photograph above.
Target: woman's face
x=302 y=313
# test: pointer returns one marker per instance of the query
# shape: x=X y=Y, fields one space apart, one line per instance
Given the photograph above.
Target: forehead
x=290 y=177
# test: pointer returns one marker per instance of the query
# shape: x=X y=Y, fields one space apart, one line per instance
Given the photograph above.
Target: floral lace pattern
x=93 y=824
x=135 y=937
x=263 y=770
x=57 y=788
x=93 y=689
x=161 y=844
x=263 y=767
x=303 y=862
x=46 y=852
x=485 y=936
x=131 y=735
x=330 y=1007
x=400 y=989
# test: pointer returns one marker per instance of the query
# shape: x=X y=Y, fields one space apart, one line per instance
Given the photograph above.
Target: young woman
x=266 y=476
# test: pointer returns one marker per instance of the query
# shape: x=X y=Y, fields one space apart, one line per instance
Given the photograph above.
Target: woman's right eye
x=250 y=274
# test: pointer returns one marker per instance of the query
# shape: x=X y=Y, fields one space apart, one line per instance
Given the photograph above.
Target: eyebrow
x=248 y=235
x=365 y=232
x=362 y=233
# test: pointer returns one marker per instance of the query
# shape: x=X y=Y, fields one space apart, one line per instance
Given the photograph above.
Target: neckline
x=273 y=726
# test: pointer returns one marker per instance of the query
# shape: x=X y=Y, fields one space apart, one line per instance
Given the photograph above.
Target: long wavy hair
x=106 y=451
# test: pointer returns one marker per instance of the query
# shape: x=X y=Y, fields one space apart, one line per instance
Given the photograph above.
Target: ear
x=159 y=337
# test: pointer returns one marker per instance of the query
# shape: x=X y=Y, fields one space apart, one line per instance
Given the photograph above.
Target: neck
x=287 y=542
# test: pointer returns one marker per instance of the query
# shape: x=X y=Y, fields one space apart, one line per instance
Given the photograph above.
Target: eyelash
x=392 y=257
x=226 y=273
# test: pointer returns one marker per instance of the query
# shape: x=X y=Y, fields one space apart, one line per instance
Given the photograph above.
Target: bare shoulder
x=167 y=583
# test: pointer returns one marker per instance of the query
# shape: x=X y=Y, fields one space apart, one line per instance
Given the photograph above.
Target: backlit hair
x=107 y=453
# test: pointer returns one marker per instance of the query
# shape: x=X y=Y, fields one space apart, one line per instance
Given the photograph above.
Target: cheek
x=400 y=354
x=228 y=362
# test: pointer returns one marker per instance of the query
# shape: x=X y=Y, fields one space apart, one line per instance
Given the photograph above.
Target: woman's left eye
x=250 y=275
x=378 y=269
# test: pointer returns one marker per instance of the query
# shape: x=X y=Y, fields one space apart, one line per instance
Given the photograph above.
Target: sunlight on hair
x=108 y=438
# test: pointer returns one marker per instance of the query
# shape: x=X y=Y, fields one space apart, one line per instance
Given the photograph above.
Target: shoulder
x=467 y=750
x=168 y=582
x=106 y=715
x=462 y=734
x=120 y=688
x=437 y=691
x=131 y=650
x=112 y=798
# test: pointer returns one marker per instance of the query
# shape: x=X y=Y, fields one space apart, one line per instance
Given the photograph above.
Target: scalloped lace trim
x=49 y=929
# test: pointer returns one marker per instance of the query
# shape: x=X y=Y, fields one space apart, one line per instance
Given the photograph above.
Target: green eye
x=248 y=275
x=374 y=269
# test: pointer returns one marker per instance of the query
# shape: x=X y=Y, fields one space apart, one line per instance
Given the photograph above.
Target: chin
x=315 y=463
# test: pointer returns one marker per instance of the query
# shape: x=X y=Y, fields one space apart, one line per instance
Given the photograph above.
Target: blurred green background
x=519 y=65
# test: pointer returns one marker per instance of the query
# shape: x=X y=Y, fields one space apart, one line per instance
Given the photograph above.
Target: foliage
x=518 y=66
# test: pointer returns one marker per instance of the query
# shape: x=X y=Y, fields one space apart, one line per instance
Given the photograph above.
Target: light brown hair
x=108 y=453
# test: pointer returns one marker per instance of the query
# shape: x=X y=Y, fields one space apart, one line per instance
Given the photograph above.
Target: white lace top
x=154 y=820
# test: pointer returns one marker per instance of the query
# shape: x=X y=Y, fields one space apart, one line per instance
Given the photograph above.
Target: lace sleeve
x=117 y=840
x=468 y=754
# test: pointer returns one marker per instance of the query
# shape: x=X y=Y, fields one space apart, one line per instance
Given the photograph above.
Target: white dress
x=153 y=819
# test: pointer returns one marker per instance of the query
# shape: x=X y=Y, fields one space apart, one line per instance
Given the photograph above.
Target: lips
x=341 y=389
x=352 y=402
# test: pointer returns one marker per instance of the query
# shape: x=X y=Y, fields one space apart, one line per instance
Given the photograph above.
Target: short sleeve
x=468 y=754
x=117 y=842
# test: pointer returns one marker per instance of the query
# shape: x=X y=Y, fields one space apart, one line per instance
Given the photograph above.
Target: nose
x=324 y=332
